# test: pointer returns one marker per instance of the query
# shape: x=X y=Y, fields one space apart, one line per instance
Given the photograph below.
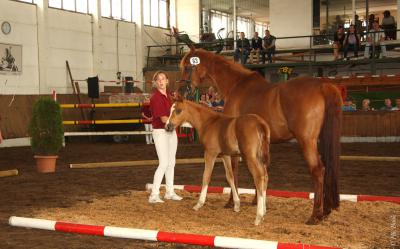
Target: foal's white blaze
x=170 y=114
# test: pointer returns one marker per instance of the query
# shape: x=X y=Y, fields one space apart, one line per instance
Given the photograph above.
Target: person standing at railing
x=375 y=39
x=389 y=25
x=166 y=143
x=351 y=42
x=242 y=49
x=338 y=40
x=268 y=46
x=359 y=28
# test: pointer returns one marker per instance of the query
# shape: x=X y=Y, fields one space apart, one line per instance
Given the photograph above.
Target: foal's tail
x=330 y=145
x=264 y=132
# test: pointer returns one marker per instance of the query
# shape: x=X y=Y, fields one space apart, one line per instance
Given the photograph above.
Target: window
x=55 y=3
x=156 y=12
x=219 y=20
x=127 y=10
x=106 y=8
x=260 y=28
x=82 y=6
x=146 y=12
x=243 y=25
x=115 y=9
x=72 y=5
x=27 y=1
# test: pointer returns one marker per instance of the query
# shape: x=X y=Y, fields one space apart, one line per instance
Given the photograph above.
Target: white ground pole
x=153 y=235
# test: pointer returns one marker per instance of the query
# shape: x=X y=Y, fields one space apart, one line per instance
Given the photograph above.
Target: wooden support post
x=12 y=172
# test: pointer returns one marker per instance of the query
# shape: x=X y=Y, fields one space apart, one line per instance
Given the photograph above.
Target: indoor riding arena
x=93 y=104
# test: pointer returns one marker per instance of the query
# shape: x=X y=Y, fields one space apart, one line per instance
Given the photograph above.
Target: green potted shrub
x=47 y=133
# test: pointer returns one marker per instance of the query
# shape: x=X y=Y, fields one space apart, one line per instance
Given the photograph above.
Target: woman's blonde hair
x=155 y=76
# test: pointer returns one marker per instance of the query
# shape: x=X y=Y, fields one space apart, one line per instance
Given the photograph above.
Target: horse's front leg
x=235 y=168
x=209 y=158
x=230 y=178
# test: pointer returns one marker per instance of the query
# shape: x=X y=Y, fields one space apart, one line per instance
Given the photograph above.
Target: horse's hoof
x=258 y=221
x=313 y=220
x=236 y=209
x=197 y=207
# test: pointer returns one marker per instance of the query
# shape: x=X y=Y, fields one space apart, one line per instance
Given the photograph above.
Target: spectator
x=348 y=106
x=389 y=25
x=358 y=26
x=218 y=103
x=146 y=114
x=365 y=105
x=211 y=93
x=256 y=46
x=375 y=38
x=205 y=100
x=338 y=22
x=338 y=40
x=371 y=20
x=396 y=108
x=351 y=42
x=1 y=137
x=242 y=49
x=268 y=46
x=388 y=105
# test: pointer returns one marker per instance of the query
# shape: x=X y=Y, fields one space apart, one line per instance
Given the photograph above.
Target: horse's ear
x=192 y=48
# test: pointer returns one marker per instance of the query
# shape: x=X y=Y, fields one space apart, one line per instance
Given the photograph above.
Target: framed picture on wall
x=10 y=58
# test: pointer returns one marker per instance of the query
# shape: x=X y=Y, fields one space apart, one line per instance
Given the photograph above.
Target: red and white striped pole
x=153 y=235
x=282 y=193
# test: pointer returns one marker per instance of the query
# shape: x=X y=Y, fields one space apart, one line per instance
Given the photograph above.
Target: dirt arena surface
x=116 y=197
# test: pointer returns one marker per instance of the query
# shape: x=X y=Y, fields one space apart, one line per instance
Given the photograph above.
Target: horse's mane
x=205 y=109
x=220 y=61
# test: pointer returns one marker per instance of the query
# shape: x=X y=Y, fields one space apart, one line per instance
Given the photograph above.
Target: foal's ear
x=177 y=97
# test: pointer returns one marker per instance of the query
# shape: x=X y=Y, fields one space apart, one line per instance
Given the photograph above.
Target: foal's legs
x=209 y=159
x=235 y=169
x=317 y=170
x=257 y=170
x=230 y=179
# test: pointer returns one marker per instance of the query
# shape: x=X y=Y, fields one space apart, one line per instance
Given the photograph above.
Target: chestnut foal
x=248 y=135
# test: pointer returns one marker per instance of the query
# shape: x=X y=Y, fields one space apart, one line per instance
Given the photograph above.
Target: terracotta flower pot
x=46 y=164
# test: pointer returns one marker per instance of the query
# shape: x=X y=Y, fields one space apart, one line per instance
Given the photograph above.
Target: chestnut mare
x=225 y=135
x=304 y=108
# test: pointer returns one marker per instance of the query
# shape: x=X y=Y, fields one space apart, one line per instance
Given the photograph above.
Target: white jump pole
x=12 y=172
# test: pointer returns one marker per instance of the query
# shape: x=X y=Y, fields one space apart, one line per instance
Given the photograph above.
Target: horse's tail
x=330 y=145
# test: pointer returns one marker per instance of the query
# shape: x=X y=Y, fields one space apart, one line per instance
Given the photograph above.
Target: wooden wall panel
x=15 y=112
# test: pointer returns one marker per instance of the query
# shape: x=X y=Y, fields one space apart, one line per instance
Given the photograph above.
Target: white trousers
x=149 y=137
x=166 y=144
